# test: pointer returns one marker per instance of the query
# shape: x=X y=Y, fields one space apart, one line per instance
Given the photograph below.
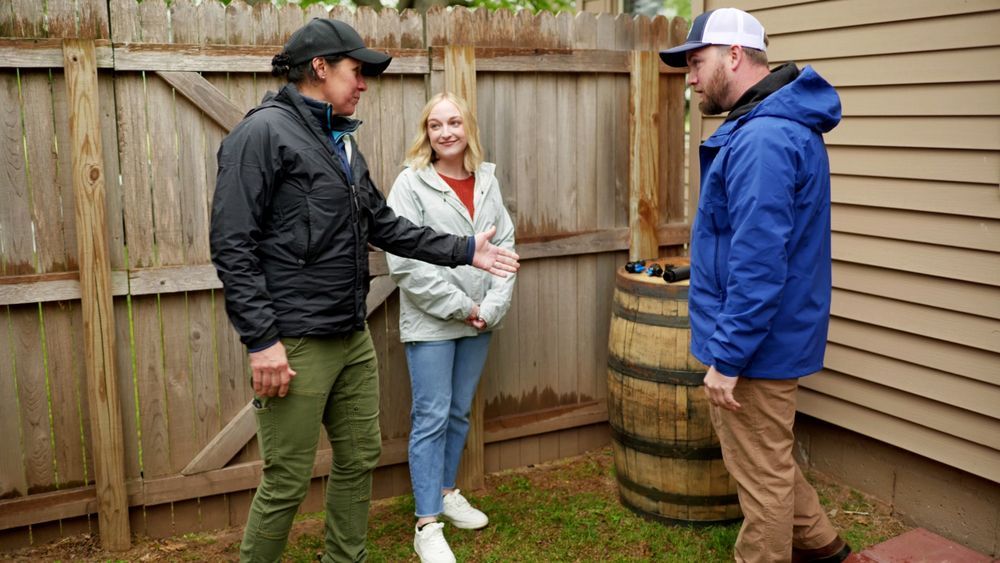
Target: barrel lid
x=644 y=284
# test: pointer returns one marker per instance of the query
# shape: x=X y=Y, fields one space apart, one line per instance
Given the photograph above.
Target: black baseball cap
x=324 y=37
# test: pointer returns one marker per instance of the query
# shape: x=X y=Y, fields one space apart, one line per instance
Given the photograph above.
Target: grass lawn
x=566 y=510
x=569 y=511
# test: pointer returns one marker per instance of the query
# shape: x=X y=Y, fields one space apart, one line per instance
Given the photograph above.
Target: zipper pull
x=355 y=203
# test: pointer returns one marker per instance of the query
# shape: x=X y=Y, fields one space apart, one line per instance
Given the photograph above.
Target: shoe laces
x=432 y=539
x=458 y=501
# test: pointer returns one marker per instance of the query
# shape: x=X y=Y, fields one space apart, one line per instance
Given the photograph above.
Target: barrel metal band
x=657 y=375
x=661 y=449
x=644 y=513
x=651 y=319
x=652 y=287
x=674 y=498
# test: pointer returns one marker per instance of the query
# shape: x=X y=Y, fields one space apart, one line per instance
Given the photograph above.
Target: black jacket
x=290 y=230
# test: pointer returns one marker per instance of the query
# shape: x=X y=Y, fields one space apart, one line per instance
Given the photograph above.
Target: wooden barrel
x=668 y=461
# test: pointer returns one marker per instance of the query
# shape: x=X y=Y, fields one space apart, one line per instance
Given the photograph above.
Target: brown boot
x=833 y=552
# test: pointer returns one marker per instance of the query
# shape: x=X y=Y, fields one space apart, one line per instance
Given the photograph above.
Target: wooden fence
x=126 y=389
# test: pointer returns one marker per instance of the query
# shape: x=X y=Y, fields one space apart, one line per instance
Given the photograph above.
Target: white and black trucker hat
x=725 y=26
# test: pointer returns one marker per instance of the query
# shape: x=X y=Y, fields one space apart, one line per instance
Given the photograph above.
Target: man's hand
x=271 y=373
x=490 y=257
x=474 y=321
x=719 y=389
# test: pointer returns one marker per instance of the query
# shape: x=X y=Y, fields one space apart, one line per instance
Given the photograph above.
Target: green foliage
x=533 y=5
x=554 y=6
x=680 y=8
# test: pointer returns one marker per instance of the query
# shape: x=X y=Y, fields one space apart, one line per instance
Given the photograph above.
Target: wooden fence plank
x=460 y=78
x=13 y=479
x=524 y=384
x=95 y=285
x=29 y=18
x=43 y=172
x=644 y=149
x=225 y=444
x=132 y=126
x=124 y=369
x=587 y=190
x=673 y=167
x=196 y=197
x=608 y=205
x=205 y=97
x=15 y=214
x=191 y=361
x=66 y=366
x=238 y=59
x=32 y=397
x=172 y=279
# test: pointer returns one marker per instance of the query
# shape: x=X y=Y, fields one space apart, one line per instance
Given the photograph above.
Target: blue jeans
x=443 y=375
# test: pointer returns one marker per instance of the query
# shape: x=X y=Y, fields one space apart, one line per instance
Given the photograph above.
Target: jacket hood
x=807 y=99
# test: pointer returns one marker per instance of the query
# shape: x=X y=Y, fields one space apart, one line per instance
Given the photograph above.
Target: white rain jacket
x=435 y=300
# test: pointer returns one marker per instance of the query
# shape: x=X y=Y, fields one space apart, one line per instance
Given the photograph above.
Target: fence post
x=80 y=63
x=644 y=149
x=460 y=79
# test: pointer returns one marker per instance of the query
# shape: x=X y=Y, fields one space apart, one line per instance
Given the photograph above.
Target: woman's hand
x=490 y=257
x=271 y=372
x=474 y=321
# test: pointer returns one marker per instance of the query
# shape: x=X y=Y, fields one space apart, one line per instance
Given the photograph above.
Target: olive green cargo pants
x=336 y=386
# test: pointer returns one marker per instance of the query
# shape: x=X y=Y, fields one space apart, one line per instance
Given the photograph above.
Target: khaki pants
x=780 y=508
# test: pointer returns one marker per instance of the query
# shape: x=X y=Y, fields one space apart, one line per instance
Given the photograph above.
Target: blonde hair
x=420 y=153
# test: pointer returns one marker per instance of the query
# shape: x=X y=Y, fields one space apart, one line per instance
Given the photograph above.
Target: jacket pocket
x=302 y=233
x=718 y=214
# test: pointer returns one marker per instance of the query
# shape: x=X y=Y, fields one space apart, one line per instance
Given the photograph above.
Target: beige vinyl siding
x=913 y=357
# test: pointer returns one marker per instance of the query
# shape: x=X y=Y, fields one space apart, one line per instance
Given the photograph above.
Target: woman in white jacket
x=446 y=314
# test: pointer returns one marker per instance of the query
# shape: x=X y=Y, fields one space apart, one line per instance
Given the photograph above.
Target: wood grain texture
x=644 y=149
x=460 y=78
x=180 y=367
x=96 y=299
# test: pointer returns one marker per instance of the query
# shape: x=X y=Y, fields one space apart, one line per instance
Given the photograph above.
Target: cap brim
x=677 y=56
x=374 y=63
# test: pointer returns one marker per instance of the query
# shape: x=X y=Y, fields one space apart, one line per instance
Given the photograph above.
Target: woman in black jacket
x=293 y=213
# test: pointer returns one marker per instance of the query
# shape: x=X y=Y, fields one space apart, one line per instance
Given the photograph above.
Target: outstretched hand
x=490 y=257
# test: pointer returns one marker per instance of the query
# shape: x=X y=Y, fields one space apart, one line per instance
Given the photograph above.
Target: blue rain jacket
x=760 y=246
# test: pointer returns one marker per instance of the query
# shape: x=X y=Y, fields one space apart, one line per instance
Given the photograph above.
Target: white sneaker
x=430 y=544
x=461 y=514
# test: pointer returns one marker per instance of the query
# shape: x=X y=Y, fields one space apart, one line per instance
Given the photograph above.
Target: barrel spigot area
x=668 y=461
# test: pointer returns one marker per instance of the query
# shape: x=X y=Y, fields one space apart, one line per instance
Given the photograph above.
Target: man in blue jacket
x=760 y=272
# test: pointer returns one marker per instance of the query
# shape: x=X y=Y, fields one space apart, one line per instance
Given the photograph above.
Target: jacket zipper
x=718 y=280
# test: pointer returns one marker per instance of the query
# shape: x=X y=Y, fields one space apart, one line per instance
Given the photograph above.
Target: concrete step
x=920 y=546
